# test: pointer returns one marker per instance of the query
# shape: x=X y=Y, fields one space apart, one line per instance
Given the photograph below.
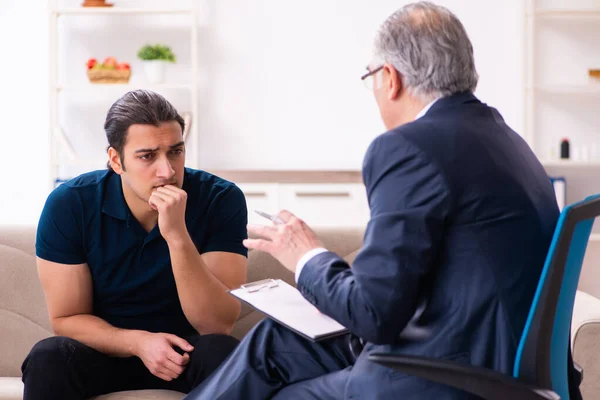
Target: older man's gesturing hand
x=287 y=242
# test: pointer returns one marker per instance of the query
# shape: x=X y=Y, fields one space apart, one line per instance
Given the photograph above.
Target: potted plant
x=155 y=59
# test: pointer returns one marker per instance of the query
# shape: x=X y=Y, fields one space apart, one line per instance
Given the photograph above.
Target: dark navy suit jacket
x=462 y=214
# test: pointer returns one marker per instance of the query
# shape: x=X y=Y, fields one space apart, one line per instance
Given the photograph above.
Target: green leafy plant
x=156 y=52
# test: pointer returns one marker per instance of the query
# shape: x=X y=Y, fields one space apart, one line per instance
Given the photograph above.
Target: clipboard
x=285 y=304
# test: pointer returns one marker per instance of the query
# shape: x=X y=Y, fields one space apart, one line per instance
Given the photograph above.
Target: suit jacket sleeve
x=409 y=203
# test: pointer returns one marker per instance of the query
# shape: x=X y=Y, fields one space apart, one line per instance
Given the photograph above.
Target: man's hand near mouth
x=170 y=201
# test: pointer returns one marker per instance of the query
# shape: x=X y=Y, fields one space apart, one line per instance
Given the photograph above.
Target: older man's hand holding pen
x=287 y=240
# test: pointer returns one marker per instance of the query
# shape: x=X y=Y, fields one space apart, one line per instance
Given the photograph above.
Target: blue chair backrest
x=541 y=358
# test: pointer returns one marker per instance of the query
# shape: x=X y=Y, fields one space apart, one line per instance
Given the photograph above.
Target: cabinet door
x=262 y=197
x=327 y=205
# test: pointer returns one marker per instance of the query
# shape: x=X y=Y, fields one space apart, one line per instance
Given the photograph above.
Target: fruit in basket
x=91 y=63
x=109 y=71
x=110 y=63
x=123 y=67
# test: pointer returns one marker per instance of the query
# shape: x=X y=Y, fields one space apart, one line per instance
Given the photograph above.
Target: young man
x=462 y=214
x=135 y=262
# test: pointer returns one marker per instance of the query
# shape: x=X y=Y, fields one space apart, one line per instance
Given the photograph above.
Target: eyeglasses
x=368 y=77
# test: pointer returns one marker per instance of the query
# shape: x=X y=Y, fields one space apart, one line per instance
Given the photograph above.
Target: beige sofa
x=24 y=320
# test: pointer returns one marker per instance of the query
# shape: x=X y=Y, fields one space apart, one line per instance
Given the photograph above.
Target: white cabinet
x=319 y=205
x=262 y=197
x=336 y=204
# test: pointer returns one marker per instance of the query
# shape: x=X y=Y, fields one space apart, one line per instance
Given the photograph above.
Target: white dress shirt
x=314 y=252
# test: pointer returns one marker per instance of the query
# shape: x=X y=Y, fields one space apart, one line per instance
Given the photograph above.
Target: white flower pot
x=155 y=70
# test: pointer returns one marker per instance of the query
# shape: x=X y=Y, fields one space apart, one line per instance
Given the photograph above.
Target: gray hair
x=429 y=46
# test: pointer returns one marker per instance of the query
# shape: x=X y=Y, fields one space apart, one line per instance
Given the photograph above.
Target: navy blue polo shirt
x=86 y=220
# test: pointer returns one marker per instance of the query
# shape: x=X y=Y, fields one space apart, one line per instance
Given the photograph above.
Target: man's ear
x=115 y=160
x=392 y=82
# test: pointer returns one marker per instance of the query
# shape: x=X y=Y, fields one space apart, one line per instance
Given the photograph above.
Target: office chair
x=541 y=367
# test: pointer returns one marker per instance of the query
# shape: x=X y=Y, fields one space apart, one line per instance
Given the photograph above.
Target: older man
x=462 y=214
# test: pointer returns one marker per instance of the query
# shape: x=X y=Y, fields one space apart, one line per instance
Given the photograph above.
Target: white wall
x=23 y=111
x=280 y=81
x=285 y=86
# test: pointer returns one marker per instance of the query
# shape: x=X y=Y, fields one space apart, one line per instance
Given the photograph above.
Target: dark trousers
x=274 y=361
x=63 y=368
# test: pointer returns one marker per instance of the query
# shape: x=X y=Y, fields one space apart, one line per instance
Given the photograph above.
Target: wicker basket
x=594 y=73
x=108 y=75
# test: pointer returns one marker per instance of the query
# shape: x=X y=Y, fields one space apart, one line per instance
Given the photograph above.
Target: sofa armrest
x=585 y=310
x=585 y=337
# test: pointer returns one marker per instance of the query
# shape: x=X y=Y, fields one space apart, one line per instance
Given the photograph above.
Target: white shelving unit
x=561 y=100
x=118 y=10
x=589 y=89
x=570 y=164
x=59 y=142
x=565 y=13
x=92 y=87
x=547 y=25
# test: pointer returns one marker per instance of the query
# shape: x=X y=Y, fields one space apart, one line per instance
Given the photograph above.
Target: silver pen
x=274 y=218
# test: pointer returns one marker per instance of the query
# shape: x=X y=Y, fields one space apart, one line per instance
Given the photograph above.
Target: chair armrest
x=486 y=383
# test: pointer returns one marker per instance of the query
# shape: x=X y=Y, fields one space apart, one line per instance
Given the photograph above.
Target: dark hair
x=137 y=107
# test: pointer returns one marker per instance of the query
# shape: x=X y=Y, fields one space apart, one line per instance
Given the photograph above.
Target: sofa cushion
x=585 y=310
x=343 y=242
x=263 y=266
x=350 y=257
x=585 y=336
x=23 y=314
x=11 y=388
x=586 y=354
x=19 y=237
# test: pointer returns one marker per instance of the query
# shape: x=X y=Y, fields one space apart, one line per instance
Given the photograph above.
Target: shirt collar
x=114 y=203
x=425 y=109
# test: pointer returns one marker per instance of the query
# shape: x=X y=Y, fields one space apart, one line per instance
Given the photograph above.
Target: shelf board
x=120 y=11
x=91 y=163
x=570 y=163
x=121 y=86
x=567 y=13
x=585 y=89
